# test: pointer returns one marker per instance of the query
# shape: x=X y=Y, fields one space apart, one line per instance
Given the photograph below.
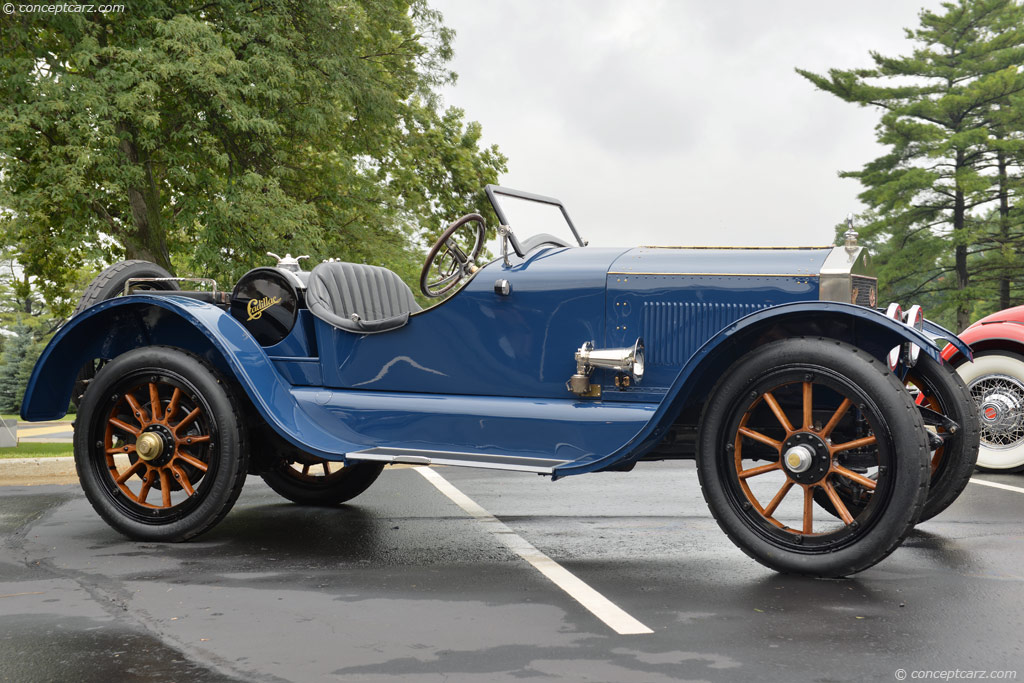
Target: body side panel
x=479 y=342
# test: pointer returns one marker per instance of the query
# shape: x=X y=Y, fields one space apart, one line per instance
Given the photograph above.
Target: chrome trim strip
x=410 y=456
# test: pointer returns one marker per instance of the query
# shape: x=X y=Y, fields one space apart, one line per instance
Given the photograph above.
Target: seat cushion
x=359 y=298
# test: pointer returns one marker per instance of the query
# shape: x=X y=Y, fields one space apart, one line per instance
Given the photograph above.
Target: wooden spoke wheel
x=158 y=445
x=800 y=418
x=308 y=480
x=941 y=393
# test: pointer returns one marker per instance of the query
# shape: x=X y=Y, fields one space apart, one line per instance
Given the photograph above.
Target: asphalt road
x=405 y=585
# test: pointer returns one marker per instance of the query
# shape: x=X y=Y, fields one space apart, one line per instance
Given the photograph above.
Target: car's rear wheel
x=995 y=381
x=159 y=446
x=796 y=416
x=308 y=480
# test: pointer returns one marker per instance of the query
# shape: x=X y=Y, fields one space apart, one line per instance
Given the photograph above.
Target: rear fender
x=862 y=327
x=118 y=325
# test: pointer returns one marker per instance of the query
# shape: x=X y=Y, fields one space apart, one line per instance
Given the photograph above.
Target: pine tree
x=950 y=117
x=15 y=367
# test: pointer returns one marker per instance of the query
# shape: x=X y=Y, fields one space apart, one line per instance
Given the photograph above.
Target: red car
x=996 y=382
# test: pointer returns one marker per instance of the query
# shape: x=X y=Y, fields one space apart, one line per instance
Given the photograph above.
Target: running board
x=410 y=456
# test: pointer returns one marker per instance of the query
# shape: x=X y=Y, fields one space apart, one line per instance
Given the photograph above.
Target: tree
x=201 y=135
x=19 y=356
x=951 y=116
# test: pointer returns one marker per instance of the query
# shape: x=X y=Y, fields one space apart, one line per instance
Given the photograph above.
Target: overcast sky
x=676 y=122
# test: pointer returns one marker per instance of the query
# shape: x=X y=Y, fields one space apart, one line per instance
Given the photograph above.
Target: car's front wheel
x=798 y=416
x=995 y=381
x=159 y=445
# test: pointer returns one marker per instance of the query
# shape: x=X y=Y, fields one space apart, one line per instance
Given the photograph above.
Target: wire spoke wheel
x=799 y=420
x=995 y=381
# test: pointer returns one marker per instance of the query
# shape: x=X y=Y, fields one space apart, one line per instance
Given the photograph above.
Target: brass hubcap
x=149 y=446
x=799 y=458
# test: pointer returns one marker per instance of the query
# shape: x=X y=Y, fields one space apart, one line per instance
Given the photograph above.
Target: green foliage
x=19 y=357
x=943 y=217
x=202 y=135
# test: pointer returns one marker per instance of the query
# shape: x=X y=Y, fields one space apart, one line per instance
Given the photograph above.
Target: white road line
x=600 y=606
x=994 y=485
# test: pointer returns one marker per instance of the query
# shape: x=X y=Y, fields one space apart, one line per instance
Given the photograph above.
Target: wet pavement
x=404 y=585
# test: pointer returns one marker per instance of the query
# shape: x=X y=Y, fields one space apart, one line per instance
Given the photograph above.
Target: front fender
x=1005 y=334
x=863 y=327
x=118 y=325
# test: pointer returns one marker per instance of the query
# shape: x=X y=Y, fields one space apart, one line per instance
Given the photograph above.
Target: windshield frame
x=495 y=191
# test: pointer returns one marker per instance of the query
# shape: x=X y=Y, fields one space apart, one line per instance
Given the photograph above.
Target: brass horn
x=626 y=359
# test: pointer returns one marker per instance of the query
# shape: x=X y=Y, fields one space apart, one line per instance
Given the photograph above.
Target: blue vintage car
x=823 y=429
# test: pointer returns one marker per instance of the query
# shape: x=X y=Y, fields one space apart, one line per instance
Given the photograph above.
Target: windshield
x=531 y=215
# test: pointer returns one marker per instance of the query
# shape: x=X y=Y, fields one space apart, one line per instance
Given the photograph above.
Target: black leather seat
x=359 y=298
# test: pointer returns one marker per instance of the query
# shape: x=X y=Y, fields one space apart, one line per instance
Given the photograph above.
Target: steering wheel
x=454 y=263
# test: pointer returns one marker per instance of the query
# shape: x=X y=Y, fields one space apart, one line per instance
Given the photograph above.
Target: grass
x=37 y=450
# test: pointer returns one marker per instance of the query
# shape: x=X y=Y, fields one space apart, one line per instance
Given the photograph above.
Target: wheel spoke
x=754 y=471
x=327 y=470
x=758 y=436
x=808 y=405
x=305 y=470
x=187 y=420
x=866 y=482
x=856 y=443
x=195 y=462
x=808 y=510
x=770 y=510
x=155 y=409
x=147 y=484
x=124 y=426
x=837 y=502
x=128 y=473
x=172 y=406
x=127 y=448
x=777 y=410
x=182 y=479
x=193 y=440
x=137 y=409
x=836 y=417
x=165 y=487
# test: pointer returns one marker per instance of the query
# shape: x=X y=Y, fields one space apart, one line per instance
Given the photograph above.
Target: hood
x=805 y=261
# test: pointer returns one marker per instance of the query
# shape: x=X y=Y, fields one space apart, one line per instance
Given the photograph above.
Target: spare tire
x=111 y=282
x=107 y=285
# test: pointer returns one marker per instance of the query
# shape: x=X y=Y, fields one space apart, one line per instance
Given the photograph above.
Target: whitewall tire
x=996 y=382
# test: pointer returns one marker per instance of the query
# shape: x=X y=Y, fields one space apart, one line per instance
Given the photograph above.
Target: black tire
x=308 y=480
x=196 y=463
x=107 y=285
x=939 y=388
x=853 y=413
x=995 y=382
